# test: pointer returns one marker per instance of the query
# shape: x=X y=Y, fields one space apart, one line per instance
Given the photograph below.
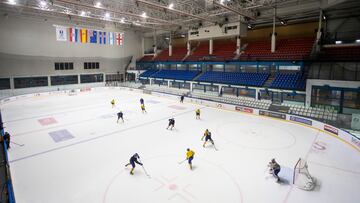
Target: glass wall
x=4 y=83
x=322 y=96
x=344 y=100
x=351 y=102
x=30 y=82
x=91 y=78
x=64 y=80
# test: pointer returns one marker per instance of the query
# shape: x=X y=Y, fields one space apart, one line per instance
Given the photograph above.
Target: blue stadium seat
x=176 y=74
x=234 y=78
x=292 y=81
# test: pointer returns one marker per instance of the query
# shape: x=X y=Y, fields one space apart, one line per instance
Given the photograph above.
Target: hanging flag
x=119 y=39
x=83 y=36
x=73 y=34
x=61 y=34
x=102 y=37
x=93 y=36
x=111 y=38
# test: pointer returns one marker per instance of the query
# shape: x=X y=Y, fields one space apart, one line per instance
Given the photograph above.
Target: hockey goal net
x=302 y=178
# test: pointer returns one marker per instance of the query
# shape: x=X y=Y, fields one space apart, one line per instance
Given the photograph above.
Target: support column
x=12 y=83
x=191 y=86
x=256 y=94
x=170 y=50
x=150 y=81
x=318 y=34
x=219 y=91
x=170 y=45
x=273 y=37
x=211 y=46
x=155 y=44
x=188 y=45
x=168 y=83
x=238 y=45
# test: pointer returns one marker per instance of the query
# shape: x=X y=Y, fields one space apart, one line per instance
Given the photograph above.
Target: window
x=64 y=65
x=64 y=80
x=231 y=27
x=91 y=65
x=194 y=33
x=30 y=82
x=4 y=83
x=90 y=78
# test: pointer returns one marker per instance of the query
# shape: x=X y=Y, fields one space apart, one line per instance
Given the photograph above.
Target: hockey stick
x=146 y=172
x=215 y=147
x=21 y=145
x=144 y=169
x=182 y=161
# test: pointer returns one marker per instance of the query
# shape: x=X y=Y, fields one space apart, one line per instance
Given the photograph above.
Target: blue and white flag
x=111 y=38
x=102 y=37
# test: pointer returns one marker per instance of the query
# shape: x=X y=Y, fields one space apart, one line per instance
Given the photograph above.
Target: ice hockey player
x=171 y=123
x=7 y=140
x=182 y=99
x=190 y=156
x=197 y=112
x=141 y=101
x=274 y=169
x=120 y=115
x=113 y=103
x=207 y=135
x=133 y=160
x=143 y=108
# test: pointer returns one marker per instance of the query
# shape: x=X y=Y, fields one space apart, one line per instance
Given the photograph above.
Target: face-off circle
x=173 y=183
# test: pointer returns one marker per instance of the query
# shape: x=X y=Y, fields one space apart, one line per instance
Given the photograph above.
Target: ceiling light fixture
x=12 y=2
x=43 y=4
x=171 y=6
x=98 y=4
x=338 y=42
x=144 y=15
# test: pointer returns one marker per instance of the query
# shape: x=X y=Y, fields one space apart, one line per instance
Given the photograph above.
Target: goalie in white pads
x=274 y=169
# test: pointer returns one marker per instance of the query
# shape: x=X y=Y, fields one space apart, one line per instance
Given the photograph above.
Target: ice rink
x=70 y=149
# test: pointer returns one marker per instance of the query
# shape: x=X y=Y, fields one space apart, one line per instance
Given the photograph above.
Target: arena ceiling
x=177 y=15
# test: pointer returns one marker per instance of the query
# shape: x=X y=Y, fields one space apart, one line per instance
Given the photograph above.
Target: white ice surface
x=90 y=167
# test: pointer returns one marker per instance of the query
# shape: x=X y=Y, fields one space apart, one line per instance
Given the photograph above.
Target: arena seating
x=340 y=53
x=235 y=78
x=288 y=81
x=146 y=58
x=286 y=49
x=222 y=51
x=178 y=53
x=148 y=73
x=176 y=74
x=200 y=52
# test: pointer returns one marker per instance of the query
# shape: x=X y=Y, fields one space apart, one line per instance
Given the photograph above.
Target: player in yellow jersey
x=113 y=103
x=190 y=156
x=197 y=113
x=143 y=108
